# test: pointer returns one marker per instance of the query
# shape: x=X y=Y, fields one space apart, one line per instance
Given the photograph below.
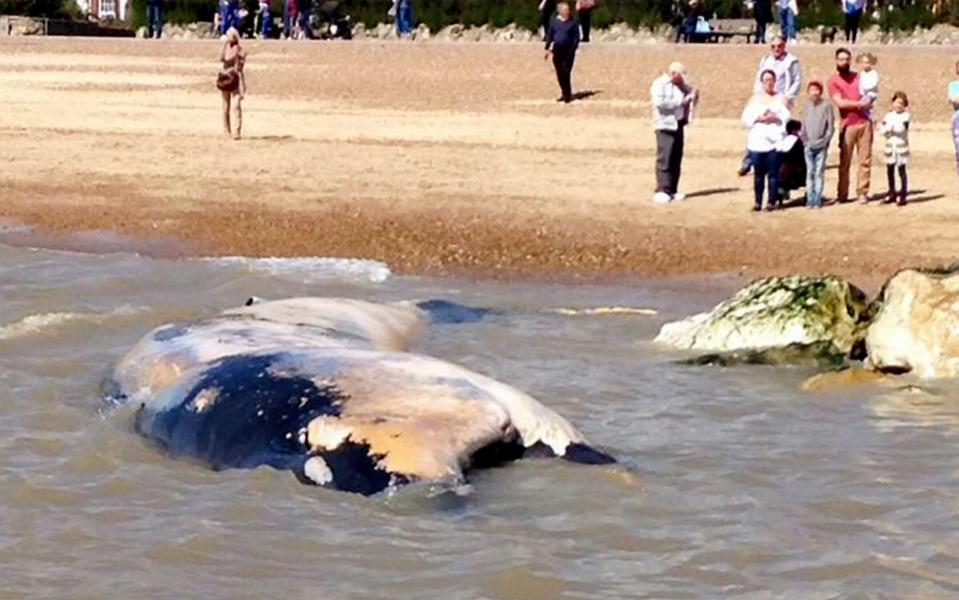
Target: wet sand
x=443 y=159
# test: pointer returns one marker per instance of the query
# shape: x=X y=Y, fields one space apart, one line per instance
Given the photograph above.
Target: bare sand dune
x=442 y=158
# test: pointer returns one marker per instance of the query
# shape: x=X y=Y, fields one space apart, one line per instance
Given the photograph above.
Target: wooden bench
x=724 y=30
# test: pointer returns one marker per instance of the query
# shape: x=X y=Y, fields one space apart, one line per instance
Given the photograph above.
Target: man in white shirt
x=788 y=73
x=672 y=99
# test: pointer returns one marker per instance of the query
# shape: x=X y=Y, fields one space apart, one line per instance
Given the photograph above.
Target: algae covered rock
x=917 y=327
x=822 y=354
x=776 y=312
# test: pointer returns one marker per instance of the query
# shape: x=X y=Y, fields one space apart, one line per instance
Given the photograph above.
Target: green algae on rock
x=823 y=354
x=776 y=312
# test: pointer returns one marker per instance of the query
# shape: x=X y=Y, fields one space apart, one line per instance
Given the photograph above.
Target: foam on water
x=311 y=269
x=45 y=322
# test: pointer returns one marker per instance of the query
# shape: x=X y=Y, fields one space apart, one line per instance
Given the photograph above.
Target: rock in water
x=818 y=354
x=324 y=387
x=916 y=328
x=777 y=312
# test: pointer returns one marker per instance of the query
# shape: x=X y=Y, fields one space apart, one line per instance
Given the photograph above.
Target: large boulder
x=777 y=312
x=915 y=330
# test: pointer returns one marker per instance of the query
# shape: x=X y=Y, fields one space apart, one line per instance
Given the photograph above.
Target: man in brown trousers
x=855 y=128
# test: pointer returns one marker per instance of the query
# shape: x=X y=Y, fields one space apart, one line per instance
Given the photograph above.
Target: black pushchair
x=333 y=22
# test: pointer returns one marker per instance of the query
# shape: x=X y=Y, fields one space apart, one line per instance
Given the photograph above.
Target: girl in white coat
x=895 y=128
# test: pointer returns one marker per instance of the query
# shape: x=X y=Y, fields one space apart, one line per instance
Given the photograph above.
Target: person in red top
x=855 y=129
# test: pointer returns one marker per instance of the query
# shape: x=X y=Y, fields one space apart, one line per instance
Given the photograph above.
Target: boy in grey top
x=818 y=125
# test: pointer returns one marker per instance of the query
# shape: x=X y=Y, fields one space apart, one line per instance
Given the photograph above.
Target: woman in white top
x=766 y=116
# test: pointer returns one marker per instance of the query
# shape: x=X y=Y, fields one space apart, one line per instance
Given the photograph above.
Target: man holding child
x=855 y=128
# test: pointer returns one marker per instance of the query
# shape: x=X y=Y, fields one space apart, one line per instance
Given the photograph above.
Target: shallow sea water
x=736 y=484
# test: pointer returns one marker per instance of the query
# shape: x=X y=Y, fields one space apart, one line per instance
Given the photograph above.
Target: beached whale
x=326 y=388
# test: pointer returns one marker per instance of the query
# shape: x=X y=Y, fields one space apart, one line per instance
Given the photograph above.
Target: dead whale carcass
x=324 y=387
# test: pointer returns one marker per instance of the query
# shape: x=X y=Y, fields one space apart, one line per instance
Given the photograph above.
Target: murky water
x=748 y=488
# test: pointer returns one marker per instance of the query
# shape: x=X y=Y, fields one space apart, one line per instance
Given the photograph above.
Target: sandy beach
x=444 y=158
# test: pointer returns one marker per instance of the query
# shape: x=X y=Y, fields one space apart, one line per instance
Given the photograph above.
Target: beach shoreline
x=442 y=160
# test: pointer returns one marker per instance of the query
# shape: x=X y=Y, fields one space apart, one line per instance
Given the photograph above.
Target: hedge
x=437 y=14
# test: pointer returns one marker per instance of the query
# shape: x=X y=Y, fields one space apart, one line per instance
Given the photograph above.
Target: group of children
x=803 y=150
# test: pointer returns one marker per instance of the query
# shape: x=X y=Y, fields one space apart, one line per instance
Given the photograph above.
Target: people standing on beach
x=154 y=18
x=766 y=116
x=562 y=40
x=232 y=82
x=818 y=126
x=785 y=65
x=788 y=11
x=546 y=10
x=953 y=91
x=763 y=13
x=852 y=13
x=673 y=100
x=895 y=128
x=291 y=13
x=855 y=130
x=403 y=14
x=584 y=10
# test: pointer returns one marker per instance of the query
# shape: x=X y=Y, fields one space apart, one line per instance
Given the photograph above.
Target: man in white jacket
x=672 y=99
x=788 y=71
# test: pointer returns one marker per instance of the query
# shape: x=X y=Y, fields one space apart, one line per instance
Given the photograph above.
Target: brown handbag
x=228 y=80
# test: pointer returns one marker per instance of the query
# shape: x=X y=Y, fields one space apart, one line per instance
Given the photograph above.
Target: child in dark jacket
x=792 y=160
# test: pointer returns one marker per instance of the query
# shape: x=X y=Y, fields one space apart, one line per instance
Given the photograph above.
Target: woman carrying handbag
x=231 y=82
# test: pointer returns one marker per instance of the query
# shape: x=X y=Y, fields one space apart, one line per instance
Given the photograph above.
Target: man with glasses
x=788 y=80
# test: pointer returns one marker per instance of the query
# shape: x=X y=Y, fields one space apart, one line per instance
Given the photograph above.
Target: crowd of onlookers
x=786 y=153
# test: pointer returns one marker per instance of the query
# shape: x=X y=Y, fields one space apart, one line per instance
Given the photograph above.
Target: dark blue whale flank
x=255 y=418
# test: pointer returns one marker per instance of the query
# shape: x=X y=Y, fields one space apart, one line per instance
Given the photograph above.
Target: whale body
x=326 y=388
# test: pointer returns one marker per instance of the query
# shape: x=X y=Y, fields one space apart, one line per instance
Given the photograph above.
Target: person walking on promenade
x=154 y=18
x=305 y=8
x=404 y=17
x=547 y=8
x=818 y=126
x=264 y=20
x=895 y=128
x=673 y=100
x=766 y=116
x=763 y=13
x=785 y=65
x=232 y=83
x=953 y=91
x=855 y=130
x=788 y=12
x=291 y=14
x=562 y=40
x=852 y=13
x=584 y=10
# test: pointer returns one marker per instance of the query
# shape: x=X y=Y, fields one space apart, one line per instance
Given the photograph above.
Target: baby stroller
x=792 y=160
x=334 y=22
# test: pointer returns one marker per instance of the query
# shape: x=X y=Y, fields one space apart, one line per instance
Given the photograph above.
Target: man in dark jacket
x=562 y=40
